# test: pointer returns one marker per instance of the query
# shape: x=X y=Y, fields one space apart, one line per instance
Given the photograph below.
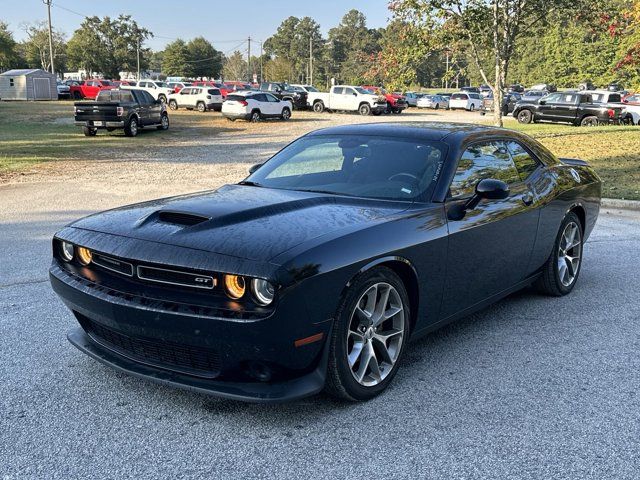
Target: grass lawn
x=31 y=133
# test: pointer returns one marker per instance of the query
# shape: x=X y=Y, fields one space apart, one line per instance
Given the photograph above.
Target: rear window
x=237 y=98
x=459 y=96
x=213 y=91
x=115 y=96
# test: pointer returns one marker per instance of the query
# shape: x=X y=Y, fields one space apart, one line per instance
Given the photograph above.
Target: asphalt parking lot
x=532 y=387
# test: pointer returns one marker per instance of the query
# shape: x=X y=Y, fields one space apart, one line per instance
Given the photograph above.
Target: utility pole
x=138 y=56
x=261 y=54
x=249 y=58
x=310 y=60
x=48 y=4
x=447 y=72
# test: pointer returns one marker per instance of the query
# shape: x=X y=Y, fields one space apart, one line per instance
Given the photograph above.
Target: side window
x=568 y=99
x=480 y=161
x=553 y=98
x=338 y=90
x=261 y=97
x=148 y=99
x=185 y=91
x=11 y=82
x=349 y=91
x=525 y=163
x=195 y=91
x=271 y=98
x=214 y=91
x=125 y=96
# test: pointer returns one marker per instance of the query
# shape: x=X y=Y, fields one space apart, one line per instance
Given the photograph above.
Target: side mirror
x=255 y=167
x=489 y=188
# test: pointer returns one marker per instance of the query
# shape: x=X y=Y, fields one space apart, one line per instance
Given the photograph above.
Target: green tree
x=8 y=54
x=280 y=69
x=235 y=67
x=175 y=59
x=108 y=46
x=490 y=28
x=36 y=47
x=203 y=59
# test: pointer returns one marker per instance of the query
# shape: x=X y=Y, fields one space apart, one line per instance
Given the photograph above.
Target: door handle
x=527 y=199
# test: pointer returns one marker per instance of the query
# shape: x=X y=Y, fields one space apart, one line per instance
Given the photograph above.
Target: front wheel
x=164 y=122
x=318 y=107
x=162 y=98
x=173 y=105
x=525 y=116
x=286 y=114
x=201 y=107
x=364 y=109
x=560 y=273
x=369 y=336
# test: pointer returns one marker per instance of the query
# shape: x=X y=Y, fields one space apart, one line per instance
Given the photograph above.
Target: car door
x=348 y=99
x=567 y=107
x=548 y=106
x=184 y=97
x=490 y=246
x=155 y=109
x=274 y=106
x=335 y=98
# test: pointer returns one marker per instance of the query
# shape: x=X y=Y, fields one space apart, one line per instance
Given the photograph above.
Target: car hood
x=253 y=223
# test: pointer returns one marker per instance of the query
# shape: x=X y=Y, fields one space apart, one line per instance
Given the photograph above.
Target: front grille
x=175 y=277
x=113 y=264
x=200 y=362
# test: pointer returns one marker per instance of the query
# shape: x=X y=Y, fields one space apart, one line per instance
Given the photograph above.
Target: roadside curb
x=623 y=204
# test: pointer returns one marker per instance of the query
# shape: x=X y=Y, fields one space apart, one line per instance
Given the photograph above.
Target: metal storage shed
x=33 y=84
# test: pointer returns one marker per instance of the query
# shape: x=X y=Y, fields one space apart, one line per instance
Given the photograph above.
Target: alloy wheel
x=375 y=334
x=569 y=254
x=133 y=126
x=165 y=122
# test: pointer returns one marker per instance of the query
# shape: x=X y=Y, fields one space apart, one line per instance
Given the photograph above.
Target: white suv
x=254 y=106
x=200 y=98
x=467 y=100
x=158 y=90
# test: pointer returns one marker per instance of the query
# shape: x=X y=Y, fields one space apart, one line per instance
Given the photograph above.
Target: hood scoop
x=177 y=218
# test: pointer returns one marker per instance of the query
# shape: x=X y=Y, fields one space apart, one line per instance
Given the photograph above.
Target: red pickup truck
x=395 y=103
x=224 y=89
x=90 y=88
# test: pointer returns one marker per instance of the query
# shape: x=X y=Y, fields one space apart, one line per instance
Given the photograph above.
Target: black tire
x=364 y=109
x=340 y=381
x=164 y=122
x=89 y=132
x=437 y=106
x=550 y=282
x=396 y=111
x=201 y=107
x=590 y=121
x=525 y=116
x=286 y=114
x=387 y=111
x=231 y=119
x=255 y=116
x=131 y=127
x=162 y=98
x=318 y=107
x=77 y=96
x=173 y=105
x=377 y=113
x=472 y=107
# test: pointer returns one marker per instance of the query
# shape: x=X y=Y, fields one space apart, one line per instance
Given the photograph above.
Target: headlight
x=235 y=286
x=84 y=255
x=66 y=251
x=263 y=291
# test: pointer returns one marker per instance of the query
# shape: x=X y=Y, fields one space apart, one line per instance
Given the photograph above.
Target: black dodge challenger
x=317 y=269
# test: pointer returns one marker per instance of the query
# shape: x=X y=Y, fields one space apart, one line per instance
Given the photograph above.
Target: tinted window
x=271 y=98
x=459 y=96
x=185 y=91
x=525 y=163
x=239 y=98
x=338 y=90
x=260 y=97
x=553 y=98
x=480 y=161
x=213 y=91
x=615 y=98
x=148 y=99
x=568 y=99
x=358 y=165
x=349 y=91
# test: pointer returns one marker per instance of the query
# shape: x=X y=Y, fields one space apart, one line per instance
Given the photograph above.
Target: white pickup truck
x=630 y=113
x=158 y=90
x=348 y=98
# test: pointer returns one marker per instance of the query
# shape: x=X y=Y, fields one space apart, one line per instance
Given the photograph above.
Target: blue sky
x=224 y=27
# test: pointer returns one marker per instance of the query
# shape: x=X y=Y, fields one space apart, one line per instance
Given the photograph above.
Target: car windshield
x=311 y=89
x=106 y=82
x=355 y=165
x=161 y=84
x=363 y=91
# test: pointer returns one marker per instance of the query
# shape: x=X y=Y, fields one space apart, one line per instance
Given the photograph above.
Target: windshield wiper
x=250 y=183
x=323 y=191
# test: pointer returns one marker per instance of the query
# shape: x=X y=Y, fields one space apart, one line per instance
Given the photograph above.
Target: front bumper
x=252 y=360
x=379 y=108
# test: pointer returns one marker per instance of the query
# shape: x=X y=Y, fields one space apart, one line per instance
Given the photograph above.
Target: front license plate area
x=98 y=124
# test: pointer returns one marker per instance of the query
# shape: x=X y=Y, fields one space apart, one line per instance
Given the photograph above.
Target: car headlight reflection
x=66 y=251
x=235 y=286
x=263 y=291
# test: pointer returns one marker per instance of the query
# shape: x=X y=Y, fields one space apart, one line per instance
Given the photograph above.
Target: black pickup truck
x=575 y=108
x=130 y=110
x=297 y=97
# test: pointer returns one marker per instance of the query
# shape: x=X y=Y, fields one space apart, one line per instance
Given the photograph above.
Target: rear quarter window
x=214 y=91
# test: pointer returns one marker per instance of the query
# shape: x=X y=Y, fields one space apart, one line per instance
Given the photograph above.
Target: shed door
x=42 y=88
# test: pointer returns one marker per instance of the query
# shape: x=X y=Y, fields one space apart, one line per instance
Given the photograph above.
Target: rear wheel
x=369 y=336
x=318 y=107
x=131 y=127
x=201 y=107
x=437 y=106
x=286 y=114
x=173 y=105
x=89 y=132
x=561 y=271
x=525 y=116
x=472 y=107
x=590 y=121
x=364 y=109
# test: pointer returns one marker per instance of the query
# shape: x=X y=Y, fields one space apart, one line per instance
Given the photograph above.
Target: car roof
x=434 y=131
